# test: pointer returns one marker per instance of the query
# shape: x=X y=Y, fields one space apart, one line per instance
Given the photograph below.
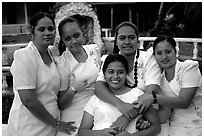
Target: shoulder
x=187 y=65
x=136 y=92
x=25 y=54
x=147 y=56
x=91 y=47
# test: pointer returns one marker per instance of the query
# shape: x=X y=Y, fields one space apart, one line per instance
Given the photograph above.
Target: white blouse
x=105 y=114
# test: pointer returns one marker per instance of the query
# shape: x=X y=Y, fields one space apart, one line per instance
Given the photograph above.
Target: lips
x=115 y=81
x=48 y=39
x=165 y=62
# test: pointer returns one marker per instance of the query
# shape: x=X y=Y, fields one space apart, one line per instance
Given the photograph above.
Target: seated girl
x=99 y=116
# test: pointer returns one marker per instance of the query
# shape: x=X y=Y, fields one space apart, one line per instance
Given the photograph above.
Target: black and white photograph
x=101 y=68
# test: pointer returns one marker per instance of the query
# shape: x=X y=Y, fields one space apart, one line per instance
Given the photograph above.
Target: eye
x=132 y=37
x=122 y=37
x=41 y=29
x=110 y=71
x=77 y=35
x=67 y=38
x=121 y=72
x=168 y=52
x=158 y=53
x=51 y=28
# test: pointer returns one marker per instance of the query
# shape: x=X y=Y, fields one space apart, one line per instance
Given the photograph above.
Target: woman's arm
x=65 y=98
x=103 y=93
x=182 y=101
x=155 y=127
x=29 y=100
x=164 y=113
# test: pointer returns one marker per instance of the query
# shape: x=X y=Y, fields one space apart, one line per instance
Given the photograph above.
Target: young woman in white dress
x=36 y=82
x=99 y=116
x=78 y=67
x=181 y=89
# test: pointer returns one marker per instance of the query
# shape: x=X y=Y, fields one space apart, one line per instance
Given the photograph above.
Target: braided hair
x=116 y=49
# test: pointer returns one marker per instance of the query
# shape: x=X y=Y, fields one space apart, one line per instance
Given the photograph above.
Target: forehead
x=45 y=21
x=126 y=30
x=70 y=27
x=163 y=45
x=116 y=64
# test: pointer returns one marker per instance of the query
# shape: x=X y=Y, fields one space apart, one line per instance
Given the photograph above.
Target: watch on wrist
x=154 y=97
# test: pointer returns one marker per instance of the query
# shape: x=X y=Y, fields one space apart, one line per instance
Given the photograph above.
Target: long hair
x=116 y=49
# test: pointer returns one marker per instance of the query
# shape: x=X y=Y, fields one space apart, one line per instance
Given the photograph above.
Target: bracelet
x=154 y=97
x=73 y=89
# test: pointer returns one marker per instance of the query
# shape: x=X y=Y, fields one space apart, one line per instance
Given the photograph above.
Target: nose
x=74 y=40
x=47 y=32
x=126 y=41
x=164 y=56
x=115 y=75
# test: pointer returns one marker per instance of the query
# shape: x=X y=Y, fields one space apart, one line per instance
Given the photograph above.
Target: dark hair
x=163 y=38
x=62 y=47
x=115 y=57
x=36 y=17
x=116 y=49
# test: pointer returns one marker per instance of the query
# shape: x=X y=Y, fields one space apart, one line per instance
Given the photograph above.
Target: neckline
x=38 y=54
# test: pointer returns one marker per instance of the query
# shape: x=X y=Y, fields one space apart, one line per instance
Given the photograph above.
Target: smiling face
x=44 y=32
x=127 y=40
x=115 y=75
x=165 y=54
x=72 y=36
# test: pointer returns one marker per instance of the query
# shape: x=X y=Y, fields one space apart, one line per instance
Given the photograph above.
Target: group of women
x=78 y=94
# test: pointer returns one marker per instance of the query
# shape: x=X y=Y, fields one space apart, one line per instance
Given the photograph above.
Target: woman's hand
x=123 y=133
x=53 y=51
x=66 y=127
x=144 y=101
x=142 y=124
x=78 y=85
x=128 y=110
x=121 y=123
x=108 y=132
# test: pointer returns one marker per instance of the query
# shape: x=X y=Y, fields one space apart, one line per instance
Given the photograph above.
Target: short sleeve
x=100 y=74
x=191 y=74
x=24 y=69
x=90 y=106
x=152 y=72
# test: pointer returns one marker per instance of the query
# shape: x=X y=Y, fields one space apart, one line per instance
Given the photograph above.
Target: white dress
x=185 y=121
x=105 y=114
x=30 y=72
x=87 y=71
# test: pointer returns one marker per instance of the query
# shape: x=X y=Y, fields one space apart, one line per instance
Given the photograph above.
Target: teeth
x=115 y=81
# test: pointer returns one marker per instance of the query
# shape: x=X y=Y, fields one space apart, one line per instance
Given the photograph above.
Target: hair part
x=164 y=38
